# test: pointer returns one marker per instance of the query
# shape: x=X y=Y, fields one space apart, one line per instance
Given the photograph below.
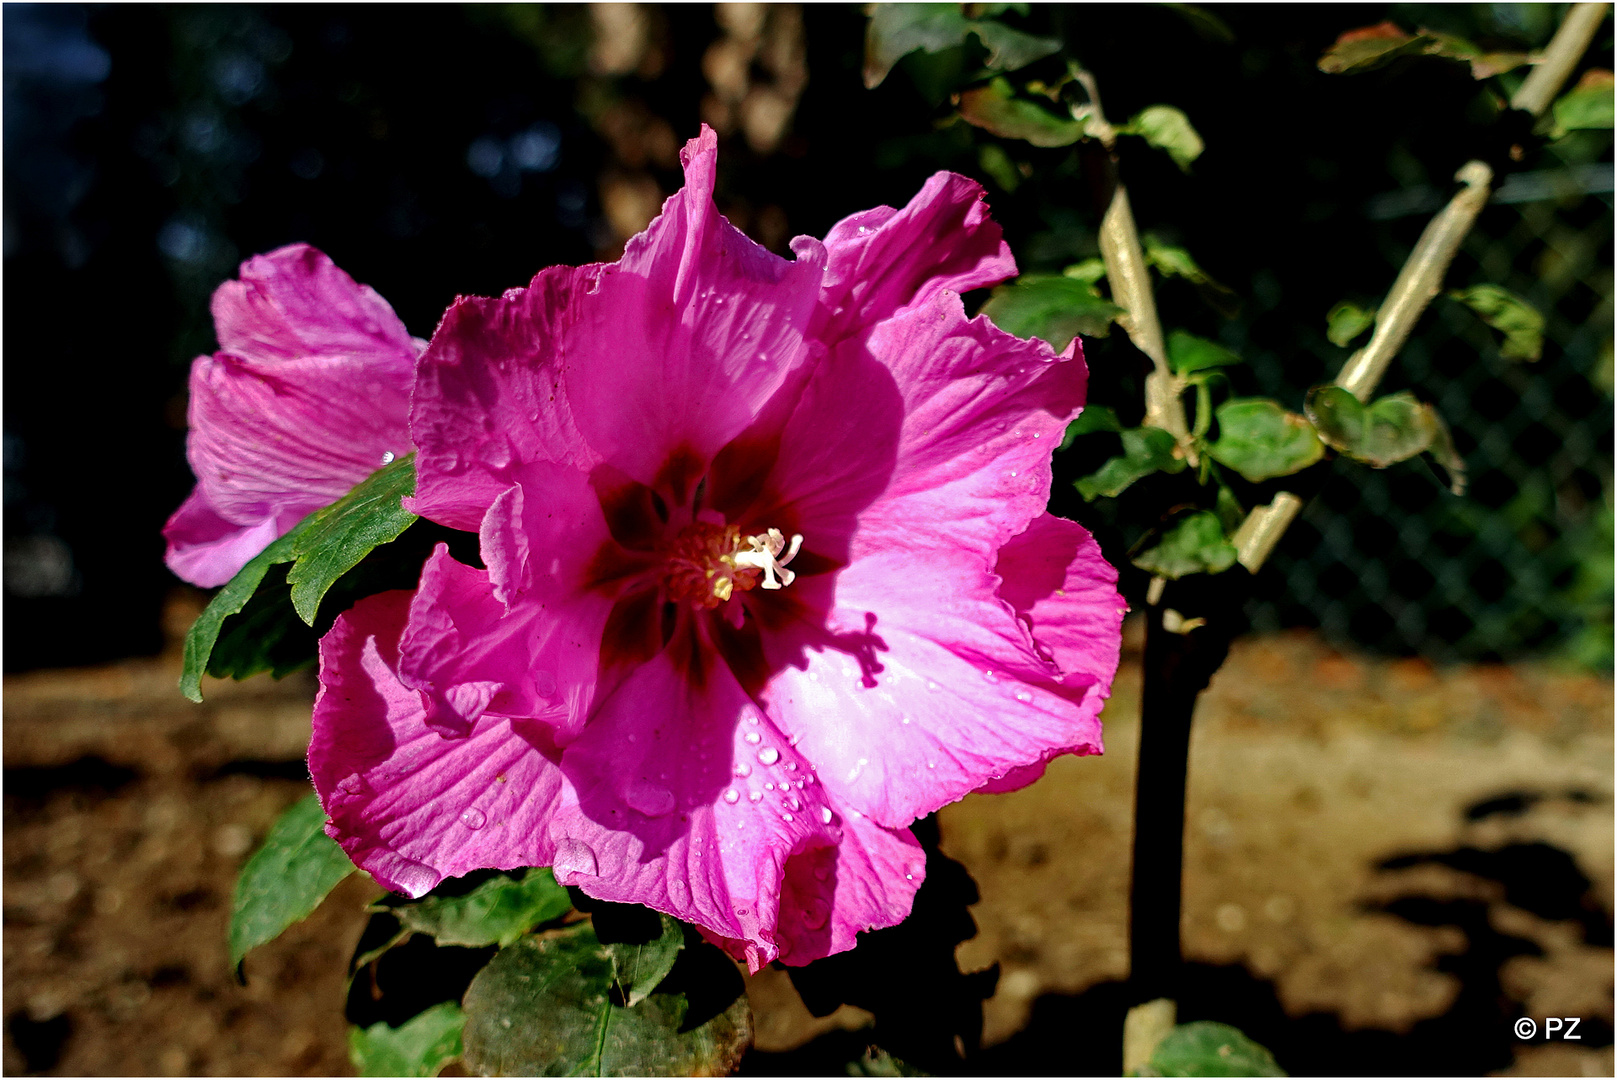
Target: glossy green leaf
x=545 y=1006
x=1010 y=49
x=1089 y=271
x=1347 y=321
x=421 y=1046
x=337 y=538
x=1586 y=106
x=995 y=108
x=1509 y=314
x=1205 y=1048
x=639 y=966
x=1051 y=307
x=896 y=30
x=1167 y=128
x=286 y=879
x=204 y=632
x=1391 y=429
x=1369 y=47
x=1260 y=440
x=1093 y=418
x=1146 y=450
x=496 y=912
x=1188 y=353
x=1195 y=545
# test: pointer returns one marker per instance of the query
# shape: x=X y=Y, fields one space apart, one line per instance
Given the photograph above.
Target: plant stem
x=1561 y=55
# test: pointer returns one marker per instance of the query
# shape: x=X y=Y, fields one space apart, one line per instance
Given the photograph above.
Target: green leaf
x=1010 y=49
x=1090 y=271
x=200 y=639
x=1196 y=545
x=1172 y=261
x=639 y=966
x=999 y=167
x=1587 y=105
x=544 y=1006
x=1512 y=316
x=285 y=879
x=1146 y=450
x=1369 y=47
x=1260 y=440
x=1229 y=510
x=421 y=1046
x=1205 y=1048
x=1188 y=353
x=1093 y=418
x=1484 y=65
x=1391 y=429
x=497 y=912
x=1204 y=22
x=995 y=108
x=1167 y=128
x=342 y=534
x=1347 y=321
x=1051 y=307
x=897 y=30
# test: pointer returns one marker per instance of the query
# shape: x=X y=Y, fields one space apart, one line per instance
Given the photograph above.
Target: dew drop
x=574 y=857
x=903 y=719
x=387 y=457
x=752 y=718
x=931 y=764
x=826 y=815
x=930 y=685
x=755 y=796
x=1024 y=696
x=791 y=766
x=990 y=676
x=732 y=796
x=769 y=787
x=788 y=817
x=792 y=801
x=769 y=755
x=753 y=738
x=473 y=818
x=413 y=879
x=743 y=769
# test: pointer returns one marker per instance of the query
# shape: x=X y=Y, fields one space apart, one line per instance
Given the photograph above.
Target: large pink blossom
x=768 y=576
x=309 y=391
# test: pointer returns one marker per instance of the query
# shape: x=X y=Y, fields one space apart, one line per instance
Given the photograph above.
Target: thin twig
x=1422 y=275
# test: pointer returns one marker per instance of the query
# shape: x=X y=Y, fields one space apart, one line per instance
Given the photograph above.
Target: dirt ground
x=1386 y=864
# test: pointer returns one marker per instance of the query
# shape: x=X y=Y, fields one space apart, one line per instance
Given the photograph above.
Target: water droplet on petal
x=679 y=891
x=753 y=738
x=1024 y=696
x=743 y=769
x=769 y=755
x=387 y=457
x=732 y=796
x=413 y=879
x=930 y=685
x=574 y=857
x=792 y=801
x=769 y=787
x=788 y=817
x=826 y=815
x=755 y=796
x=473 y=818
x=990 y=676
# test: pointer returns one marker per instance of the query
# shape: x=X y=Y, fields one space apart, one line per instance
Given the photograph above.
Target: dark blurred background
x=435 y=150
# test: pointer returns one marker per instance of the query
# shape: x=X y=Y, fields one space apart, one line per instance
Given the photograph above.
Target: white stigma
x=764 y=554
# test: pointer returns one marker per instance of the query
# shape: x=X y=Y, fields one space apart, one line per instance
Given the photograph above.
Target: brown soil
x=128 y=811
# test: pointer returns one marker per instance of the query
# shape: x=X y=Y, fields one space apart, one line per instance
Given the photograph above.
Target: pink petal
x=923 y=686
x=867 y=882
x=883 y=259
x=295 y=302
x=207 y=550
x=294 y=435
x=691 y=801
x=407 y=805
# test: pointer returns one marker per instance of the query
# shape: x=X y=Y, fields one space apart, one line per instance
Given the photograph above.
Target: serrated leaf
x=421 y=1046
x=1260 y=440
x=1391 y=429
x=1167 y=128
x=496 y=912
x=1347 y=321
x=342 y=534
x=1586 y=106
x=1188 y=353
x=1010 y=49
x=896 y=30
x=639 y=966
x=1509 y=314
x=286 y=879
x=1369 y=47
x=544 y=1007
x=1051 y=307
x=995 y=108
x=204 y=632
x=1195 y=545
x=1146 y=450
x=1205 y=1048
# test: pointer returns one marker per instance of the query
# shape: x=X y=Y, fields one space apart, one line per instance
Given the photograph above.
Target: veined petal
x=867 y=882
x=884 y=259
x=407 y=805
x=900 y=725
x=691 y=801
x=206 y=549
x=293 y=435
x=295 y=302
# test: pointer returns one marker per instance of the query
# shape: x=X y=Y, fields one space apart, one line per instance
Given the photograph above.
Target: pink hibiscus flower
x=769 y=575
x=307 y=395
